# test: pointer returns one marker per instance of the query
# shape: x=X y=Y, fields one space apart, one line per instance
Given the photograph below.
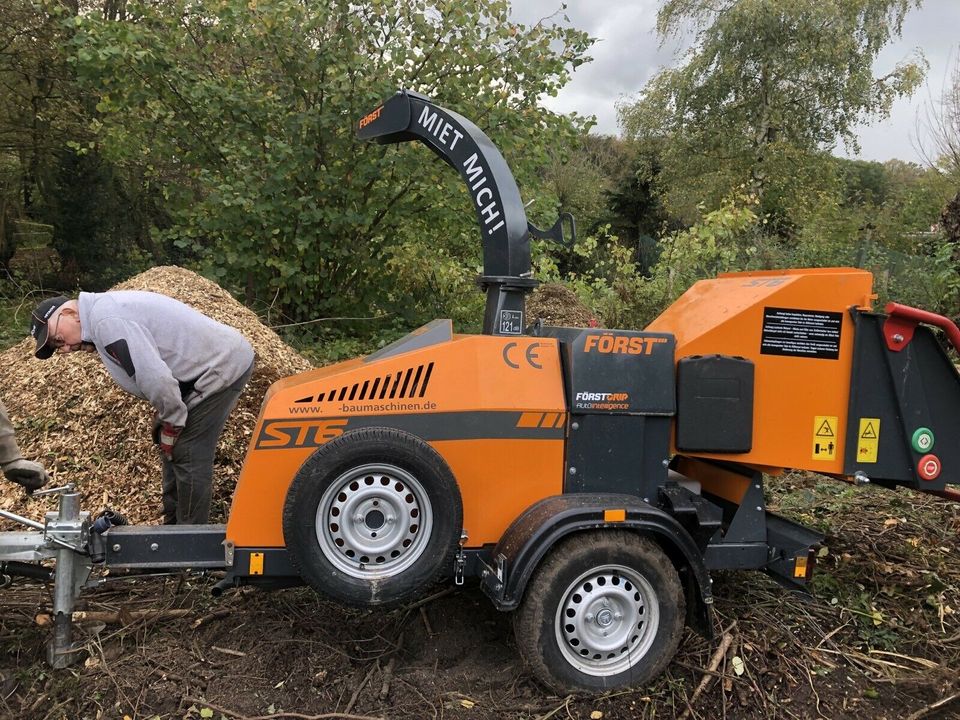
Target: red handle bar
x=895 y=326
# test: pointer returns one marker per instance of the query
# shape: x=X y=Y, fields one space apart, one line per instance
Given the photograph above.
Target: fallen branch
x=426 y=620
x=431 y=598
x=208 y=618
x=274 y=716
x=122 y=617
x=362 y=685
x=934 y=706
x=715 y=661
x=228 y=651
x=558 y=708
x=388 y=670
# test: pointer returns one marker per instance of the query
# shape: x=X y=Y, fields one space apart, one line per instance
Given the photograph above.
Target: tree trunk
x=950 y=221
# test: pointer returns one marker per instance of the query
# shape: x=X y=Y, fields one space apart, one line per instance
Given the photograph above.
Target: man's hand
x=168 y=438
x=30 y=475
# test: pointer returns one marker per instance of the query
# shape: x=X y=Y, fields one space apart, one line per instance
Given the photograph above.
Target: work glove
x=32 y=476
x=167 y=438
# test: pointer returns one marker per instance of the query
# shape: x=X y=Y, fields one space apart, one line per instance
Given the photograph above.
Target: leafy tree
x=635 y=210
x=941 y=124
x=244 y=114
x=44 y=118
x=764 y=87
x=101 y=216
x=577 y=182
x=864 y=182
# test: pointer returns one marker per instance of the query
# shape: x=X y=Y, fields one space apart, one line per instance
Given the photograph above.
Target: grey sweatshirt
x=161 y=350
x=8 y=443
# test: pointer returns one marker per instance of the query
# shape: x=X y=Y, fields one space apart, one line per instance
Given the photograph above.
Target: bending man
x=190 y=368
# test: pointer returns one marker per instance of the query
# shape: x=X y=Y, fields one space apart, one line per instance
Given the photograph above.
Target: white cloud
x=628 y=53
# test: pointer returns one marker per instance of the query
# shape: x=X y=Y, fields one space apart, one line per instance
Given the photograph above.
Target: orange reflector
x=256 y=563
x=800 y=567
x=614 y=515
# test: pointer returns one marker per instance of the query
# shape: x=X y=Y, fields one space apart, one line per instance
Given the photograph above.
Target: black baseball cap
x=38 y=325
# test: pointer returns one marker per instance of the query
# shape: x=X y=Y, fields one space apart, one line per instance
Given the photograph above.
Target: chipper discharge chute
x=590 y=479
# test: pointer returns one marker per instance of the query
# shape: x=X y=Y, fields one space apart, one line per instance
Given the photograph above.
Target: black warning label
x=801 y=333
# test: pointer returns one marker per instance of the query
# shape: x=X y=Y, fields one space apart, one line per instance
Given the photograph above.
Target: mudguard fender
x=533 y=533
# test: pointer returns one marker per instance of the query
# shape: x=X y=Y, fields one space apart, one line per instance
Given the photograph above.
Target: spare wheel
x=373 y=517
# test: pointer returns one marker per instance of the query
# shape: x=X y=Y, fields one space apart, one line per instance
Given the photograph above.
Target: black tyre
x=373 y=517
x=603 y=610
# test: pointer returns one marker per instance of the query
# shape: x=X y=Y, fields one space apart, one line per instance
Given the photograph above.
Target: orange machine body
x=492 y=406
x=801 y=395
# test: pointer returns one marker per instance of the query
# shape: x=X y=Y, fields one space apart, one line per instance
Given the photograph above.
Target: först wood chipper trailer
x=589 y=479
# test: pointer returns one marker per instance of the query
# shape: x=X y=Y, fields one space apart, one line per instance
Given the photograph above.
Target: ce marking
x=531 y=354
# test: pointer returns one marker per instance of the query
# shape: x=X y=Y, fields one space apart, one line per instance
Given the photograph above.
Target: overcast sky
x=628 y=53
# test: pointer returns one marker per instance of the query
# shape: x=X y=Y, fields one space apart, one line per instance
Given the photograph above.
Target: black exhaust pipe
x=222 y=586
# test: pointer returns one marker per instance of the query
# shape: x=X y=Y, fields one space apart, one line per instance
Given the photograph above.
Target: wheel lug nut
x=617 y=616
x=358 y=519
x=590 y=617
x=391 y=519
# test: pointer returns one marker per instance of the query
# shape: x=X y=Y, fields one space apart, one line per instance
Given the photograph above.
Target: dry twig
x=275 y=716
x=715 y=661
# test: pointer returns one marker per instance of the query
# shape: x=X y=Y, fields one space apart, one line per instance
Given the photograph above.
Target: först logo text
x=601 y=397
x=621 y=344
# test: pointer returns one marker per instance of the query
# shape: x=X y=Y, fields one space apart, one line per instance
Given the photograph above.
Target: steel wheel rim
x=607 y=620
x=374 y=521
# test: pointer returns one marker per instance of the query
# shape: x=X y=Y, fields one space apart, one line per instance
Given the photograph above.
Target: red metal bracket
x=902 y=320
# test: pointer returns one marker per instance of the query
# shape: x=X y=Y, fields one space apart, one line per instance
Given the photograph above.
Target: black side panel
x=165 y=546
x=715 y=404
x=617 y=454
x=617 y=372
x=917 y=387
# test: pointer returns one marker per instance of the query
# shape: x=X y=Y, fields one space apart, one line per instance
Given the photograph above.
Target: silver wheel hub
x=607 y=620
x=374 y=521
x=604 y=618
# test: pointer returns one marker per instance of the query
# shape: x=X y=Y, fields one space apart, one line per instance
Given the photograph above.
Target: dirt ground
x=879 y=638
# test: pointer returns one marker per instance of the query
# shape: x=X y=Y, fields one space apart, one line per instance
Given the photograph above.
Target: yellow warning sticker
x=825 y=437
x=868 y=440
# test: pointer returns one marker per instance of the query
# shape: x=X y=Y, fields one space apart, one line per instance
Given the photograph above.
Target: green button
x=922 y=440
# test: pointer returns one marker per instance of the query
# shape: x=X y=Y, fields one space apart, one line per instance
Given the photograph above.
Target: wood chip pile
x=558 y=305
x=71 y=416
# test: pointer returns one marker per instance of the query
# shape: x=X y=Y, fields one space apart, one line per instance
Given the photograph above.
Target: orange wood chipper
x=589 y=479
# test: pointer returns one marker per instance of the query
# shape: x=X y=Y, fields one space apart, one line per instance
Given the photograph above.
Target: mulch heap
x=71 y=416
x=558 y=305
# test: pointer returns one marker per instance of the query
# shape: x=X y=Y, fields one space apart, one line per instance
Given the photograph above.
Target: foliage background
x=220 y=136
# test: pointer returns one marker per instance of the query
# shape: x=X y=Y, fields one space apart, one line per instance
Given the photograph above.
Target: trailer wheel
x=603 y=610
x=373 y=517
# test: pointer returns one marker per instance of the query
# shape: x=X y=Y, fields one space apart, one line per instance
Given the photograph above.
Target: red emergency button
x=929 y=467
